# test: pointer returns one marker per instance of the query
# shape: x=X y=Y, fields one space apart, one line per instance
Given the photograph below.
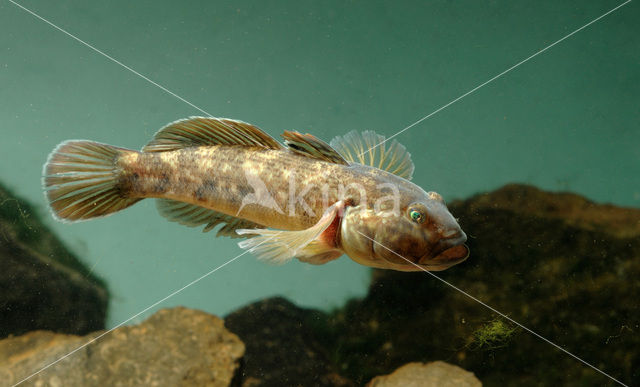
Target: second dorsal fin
x=311 y=146
x=203 y=131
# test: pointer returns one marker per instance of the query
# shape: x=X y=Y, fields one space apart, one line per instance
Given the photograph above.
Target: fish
x=304 y=198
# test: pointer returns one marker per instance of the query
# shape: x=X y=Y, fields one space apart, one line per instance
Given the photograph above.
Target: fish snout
x=454 y=236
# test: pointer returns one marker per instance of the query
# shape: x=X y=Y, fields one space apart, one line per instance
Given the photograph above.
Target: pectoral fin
x=309 y=245
x=318 y=252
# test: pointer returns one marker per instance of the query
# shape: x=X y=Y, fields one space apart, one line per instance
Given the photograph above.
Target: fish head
x=421 y=235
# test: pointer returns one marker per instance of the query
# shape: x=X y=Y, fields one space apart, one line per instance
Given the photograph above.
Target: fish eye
x=416 y=215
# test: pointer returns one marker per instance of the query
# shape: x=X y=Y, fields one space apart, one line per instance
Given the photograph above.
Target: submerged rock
x=561 y=265
x=435 y=374
x=174 y=347
x=42 y=284
x=284 y=345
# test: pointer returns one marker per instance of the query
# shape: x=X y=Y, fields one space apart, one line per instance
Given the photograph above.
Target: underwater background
x=566 y=120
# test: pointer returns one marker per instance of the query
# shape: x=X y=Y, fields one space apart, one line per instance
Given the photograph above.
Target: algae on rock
x=561 y=265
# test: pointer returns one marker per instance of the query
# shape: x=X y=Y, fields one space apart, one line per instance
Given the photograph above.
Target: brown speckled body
x=306 y=199
x=215 y=177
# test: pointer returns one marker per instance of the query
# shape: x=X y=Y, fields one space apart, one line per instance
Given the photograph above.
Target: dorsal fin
x=203 y=131
x=369 y=148
x=193 y=216
x=311 y=146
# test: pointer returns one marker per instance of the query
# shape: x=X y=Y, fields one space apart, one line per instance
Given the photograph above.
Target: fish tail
x=81 y=181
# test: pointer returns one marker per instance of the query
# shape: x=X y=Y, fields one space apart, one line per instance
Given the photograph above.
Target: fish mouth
x=452 y=251
x=447 y=258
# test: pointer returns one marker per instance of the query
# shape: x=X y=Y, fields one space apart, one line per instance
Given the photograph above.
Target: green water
x=565 y=120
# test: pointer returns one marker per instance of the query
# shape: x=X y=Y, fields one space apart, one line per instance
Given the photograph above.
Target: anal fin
x=279 y=247
x=193 y=216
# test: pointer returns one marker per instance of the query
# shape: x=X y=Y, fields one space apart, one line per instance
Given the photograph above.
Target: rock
x=570 y=208
x=284 y=345
x=435 y=374
x=42 y=284
x=558 y=263
x=174 y=347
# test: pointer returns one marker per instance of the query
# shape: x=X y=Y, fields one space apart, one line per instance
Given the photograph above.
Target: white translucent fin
x=194 y=216
x=80 y=180
x=203 y=131
x=278 y=247
x=310 y=146
x=318 y=253
x=369 y=148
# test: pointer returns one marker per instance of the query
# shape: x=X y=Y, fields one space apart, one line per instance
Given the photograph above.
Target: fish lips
x=451 y=252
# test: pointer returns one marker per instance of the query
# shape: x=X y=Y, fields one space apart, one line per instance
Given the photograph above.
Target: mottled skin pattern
x=214 y=177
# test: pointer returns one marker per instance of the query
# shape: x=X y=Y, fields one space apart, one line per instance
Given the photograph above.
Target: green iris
x=416 y=216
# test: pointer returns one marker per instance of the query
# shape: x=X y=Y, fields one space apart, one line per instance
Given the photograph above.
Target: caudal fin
x=80 y=180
